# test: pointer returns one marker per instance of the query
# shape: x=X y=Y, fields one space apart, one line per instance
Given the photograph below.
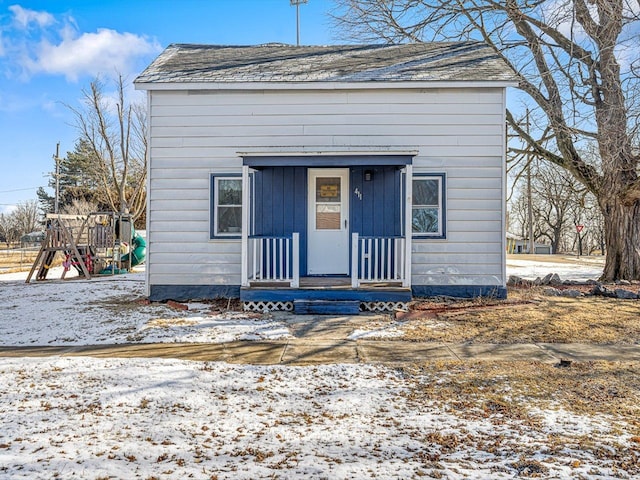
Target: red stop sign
x=579 y=228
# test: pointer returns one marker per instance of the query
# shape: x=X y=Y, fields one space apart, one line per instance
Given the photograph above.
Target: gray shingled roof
x=460 y=61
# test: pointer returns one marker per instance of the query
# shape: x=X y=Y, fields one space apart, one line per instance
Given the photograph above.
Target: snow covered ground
x=567 y=267
x=141 y=419
x=108 y=310
x=147 y=419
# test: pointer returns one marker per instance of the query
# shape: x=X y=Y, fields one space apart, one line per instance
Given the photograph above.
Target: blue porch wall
x=281 y=203
x=378 y=213
x=280 y=206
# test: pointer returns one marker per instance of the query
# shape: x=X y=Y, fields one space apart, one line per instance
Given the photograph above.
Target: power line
x=17 y=190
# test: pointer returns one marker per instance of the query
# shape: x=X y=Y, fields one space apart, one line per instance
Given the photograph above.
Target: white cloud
x=36 y=42
x=23 y=17
x=105 y=51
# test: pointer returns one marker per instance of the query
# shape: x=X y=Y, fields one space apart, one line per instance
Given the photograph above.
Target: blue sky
x=51 y=50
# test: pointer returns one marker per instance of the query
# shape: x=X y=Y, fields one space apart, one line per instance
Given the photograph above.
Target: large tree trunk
x=555 y=243
x=622 y=238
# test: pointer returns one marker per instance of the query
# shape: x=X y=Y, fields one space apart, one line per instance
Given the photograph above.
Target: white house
x=335 y=177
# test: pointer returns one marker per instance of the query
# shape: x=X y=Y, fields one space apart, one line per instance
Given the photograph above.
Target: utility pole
x=529 y=200
x=56 y=159
x=297 y=4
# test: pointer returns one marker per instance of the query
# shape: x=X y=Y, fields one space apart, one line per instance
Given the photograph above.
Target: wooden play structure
x=102 y=243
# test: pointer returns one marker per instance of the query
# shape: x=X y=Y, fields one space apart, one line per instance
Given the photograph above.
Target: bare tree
x=27 y=217
x=575 y=63
x=560 y=205
x=115 y=133
x=8 y=230
x=80 y=206
x=518 y=216
x=557 y=195
x=20 y=221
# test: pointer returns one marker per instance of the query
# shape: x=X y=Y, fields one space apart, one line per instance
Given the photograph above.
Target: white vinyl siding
x=458 y=132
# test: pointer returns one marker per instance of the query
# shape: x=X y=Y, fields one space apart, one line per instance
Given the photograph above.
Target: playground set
x=102 y=243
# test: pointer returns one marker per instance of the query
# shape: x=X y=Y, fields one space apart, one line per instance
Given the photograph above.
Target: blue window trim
x=443 y=207
x=212 y=206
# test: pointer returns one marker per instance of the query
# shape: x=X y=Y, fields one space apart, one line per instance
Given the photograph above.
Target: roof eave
x=142 y=85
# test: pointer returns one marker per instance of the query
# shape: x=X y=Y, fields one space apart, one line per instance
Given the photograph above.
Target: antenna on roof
x=297 y=3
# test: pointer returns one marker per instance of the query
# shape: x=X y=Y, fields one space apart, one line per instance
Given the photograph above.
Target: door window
x=328 y=203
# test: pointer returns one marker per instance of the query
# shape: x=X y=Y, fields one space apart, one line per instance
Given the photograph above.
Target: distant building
x=33 y=239
x=516 y=244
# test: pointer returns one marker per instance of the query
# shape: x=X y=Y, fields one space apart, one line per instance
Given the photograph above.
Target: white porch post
x=244 y=275
x=355 y=282
x=408 y=229
x=295 y=280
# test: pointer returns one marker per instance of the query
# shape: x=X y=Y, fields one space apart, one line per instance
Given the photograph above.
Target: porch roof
x=326 y=160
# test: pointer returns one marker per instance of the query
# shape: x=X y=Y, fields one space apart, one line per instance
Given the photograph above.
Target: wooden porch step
x=327 y=307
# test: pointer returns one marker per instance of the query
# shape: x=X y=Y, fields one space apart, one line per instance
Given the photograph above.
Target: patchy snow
x=378 y=330
x=109 y=310
x=170 y=419
x=393 y=331
x=94 y=419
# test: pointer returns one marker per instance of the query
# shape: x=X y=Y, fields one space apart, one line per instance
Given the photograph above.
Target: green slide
x=138 y=250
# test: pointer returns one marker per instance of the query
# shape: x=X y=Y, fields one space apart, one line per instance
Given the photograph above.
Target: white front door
x=328 y=229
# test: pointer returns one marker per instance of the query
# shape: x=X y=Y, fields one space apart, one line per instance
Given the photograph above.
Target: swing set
x=101 y=243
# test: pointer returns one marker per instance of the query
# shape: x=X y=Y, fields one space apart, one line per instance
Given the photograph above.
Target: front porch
x=327 y=239
x=378 y=280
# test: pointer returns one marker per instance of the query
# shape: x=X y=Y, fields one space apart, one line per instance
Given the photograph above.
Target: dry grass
x=516 y=393
x=17 y=260
x=527 y=316
x=583 y=388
